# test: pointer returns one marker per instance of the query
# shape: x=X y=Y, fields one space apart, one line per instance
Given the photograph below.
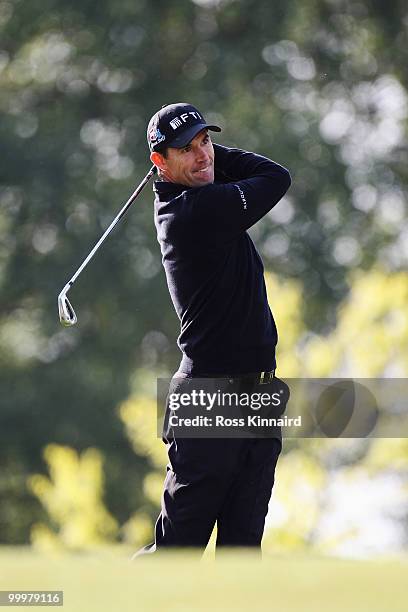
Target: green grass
x=109 y=582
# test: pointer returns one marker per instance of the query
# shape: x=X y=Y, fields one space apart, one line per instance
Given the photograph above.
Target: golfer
x=206 y=198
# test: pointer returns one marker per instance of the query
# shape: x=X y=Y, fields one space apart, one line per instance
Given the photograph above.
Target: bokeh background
x=319 y=86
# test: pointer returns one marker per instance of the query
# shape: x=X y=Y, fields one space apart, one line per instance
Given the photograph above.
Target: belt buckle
x=266 y=377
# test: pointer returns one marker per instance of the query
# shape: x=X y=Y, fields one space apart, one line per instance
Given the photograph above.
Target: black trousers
x=227 y=481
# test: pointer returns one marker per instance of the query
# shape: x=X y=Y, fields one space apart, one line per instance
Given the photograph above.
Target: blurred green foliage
x=320 y=86
x=73 y=499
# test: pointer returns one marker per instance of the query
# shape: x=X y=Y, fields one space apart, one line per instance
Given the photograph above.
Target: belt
x=258 y=378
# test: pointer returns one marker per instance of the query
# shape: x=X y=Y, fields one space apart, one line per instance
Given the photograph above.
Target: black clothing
x=227 y=481
x=215 y=279
x=214 y=273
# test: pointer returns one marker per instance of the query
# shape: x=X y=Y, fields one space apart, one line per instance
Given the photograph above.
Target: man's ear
x=158 y=160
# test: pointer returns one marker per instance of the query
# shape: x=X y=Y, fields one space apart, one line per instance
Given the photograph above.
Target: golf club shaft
x=111 y=226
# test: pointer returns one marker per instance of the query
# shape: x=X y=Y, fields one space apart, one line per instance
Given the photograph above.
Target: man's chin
x=205 y=178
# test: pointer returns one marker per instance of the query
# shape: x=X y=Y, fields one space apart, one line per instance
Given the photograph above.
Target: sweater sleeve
x=254 y=184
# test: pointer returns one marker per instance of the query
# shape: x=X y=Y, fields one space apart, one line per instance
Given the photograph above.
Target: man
x=206 y=198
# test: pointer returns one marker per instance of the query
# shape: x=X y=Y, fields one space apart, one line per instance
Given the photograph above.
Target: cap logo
x=178 y=121
x=175 y=123
x=156 y=136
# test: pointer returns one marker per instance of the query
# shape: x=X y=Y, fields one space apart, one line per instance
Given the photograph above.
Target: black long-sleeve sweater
x=214 y=272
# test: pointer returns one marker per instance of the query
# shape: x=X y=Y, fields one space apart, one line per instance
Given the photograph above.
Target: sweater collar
x=164 y=189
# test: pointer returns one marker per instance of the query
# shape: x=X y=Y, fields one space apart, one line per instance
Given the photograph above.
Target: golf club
x=66 y=312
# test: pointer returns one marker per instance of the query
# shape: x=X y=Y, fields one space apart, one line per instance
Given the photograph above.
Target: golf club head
x=66 y=312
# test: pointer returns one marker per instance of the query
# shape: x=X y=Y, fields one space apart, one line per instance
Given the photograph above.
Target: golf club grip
x=120 y=214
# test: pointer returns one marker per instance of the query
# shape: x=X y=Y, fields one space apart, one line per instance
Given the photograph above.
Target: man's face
x=192 y=166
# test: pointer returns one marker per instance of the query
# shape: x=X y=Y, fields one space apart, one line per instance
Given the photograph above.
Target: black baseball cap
x=175 y=125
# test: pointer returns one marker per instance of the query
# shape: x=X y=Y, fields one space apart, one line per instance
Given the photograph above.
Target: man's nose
x=201 y=154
